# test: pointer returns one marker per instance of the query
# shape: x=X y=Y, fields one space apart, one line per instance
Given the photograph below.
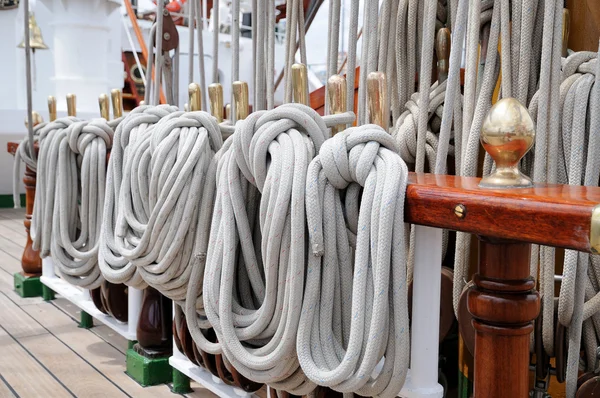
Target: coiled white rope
x=164 y=190
x=254 y=271
x=69 y=196
x=136 y=125
x=578 y=163
x=354 y=333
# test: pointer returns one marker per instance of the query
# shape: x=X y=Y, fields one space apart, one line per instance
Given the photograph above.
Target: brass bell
x=36 y=40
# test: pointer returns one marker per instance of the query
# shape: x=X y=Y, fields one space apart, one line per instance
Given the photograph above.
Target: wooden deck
x=42 y=351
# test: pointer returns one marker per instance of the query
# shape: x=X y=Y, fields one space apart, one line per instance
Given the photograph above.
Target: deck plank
x=15 y=321
x=104 y=357
x=75 y=373
x=5 y=390
x=26 y=376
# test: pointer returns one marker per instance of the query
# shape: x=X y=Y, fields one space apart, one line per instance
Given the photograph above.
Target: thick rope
x=69 y=198
x=355 y=312
x=23 y=154
x=253 y=274
x=136 y=125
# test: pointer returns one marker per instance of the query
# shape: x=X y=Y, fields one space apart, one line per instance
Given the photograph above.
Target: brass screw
x=460 y=211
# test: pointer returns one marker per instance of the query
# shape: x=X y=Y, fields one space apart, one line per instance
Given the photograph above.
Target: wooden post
x=30 y=261
x=504 y=305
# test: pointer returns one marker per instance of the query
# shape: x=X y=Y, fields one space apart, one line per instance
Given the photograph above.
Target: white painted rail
x=81 y=298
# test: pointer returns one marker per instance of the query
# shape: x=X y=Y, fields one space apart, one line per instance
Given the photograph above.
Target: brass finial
x=566 y=30
x=36 y=41
x=215 y=94
x=117 y=102
x=379 y=109
x=300 y=83
x=52 y=108
x=71 y=105
x=104 y=103
x=336 y=87
x=507 y=134
x=36 y=118
x=195 y=100
x=240 y=97
x=442 y=49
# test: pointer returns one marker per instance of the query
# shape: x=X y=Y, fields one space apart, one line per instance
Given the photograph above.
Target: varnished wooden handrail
x=550 y=215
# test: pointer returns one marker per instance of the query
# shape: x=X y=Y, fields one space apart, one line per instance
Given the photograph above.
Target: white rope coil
x=69 y=197
x=354 y=332
x=135 y=127
x=255 y=262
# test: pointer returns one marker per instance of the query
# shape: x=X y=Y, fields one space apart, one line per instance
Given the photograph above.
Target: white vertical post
x=48 y=268
x=425 y=331
x=134 y=303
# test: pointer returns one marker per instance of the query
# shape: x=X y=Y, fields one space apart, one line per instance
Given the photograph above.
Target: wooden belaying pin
x=379 y=108
x=228 y=111
x=36 y=119
x=240 y=98
x=71 y=105
x=117 y=102
x=195 y=100
x=442 y=50
x=336 y=87
x=215 y=95
x=52 y=108
x=566 y=30
x=104 y=106
x=300 y=84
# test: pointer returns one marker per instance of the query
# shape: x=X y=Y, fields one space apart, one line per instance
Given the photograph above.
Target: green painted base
x=465 y=386
x=181 y=383
x=86 y=321
x=47 y=293
x=146 y=371
x=27 y=286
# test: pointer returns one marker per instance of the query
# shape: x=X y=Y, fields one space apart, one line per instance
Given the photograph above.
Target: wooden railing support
x=504 y=304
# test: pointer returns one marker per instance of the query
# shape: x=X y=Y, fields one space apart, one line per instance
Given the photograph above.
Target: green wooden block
x=27 y=286
x=181 y=383
x=86 y=321
x=148 y=371
x=47 y=293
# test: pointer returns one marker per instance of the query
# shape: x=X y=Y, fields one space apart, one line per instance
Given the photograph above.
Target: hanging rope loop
x=365 y=289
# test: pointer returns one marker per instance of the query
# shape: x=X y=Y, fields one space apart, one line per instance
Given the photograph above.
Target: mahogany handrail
x=503 y=301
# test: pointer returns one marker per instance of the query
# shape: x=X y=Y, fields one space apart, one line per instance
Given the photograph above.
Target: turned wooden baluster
x=31 y=261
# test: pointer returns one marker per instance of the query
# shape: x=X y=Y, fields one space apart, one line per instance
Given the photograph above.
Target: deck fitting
x=27 y=286
x=86 y=321
x=148 y=371
x=181 y=383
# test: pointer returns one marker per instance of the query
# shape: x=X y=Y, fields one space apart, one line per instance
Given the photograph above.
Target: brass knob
x=507 y=134
x=195 y=100
x=336 y=88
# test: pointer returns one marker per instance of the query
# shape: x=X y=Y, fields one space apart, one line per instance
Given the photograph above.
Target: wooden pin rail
x=503 y=301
